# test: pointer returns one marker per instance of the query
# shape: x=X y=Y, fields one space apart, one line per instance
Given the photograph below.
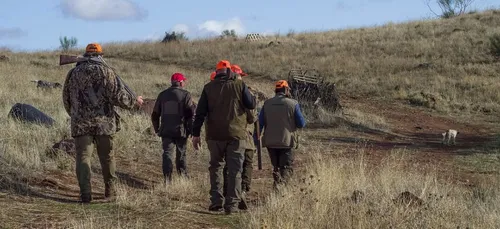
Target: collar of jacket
x=222 y=76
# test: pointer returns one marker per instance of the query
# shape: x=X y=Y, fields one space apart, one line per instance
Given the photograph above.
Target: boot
x=85 y=198
x=242 y=205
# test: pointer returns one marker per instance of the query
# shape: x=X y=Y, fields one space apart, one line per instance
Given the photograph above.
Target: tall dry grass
x=322 y=198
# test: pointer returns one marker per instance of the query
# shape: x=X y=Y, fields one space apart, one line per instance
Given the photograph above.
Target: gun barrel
x=259 y=145
x=69 y=59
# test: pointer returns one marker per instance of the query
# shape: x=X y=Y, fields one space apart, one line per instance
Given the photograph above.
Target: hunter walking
x=279 y=118
x=175 y=109
x=90 y=93
x=247 y=167
x=223 y=101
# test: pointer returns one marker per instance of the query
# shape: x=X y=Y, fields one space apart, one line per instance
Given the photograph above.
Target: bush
x=173 y=36
x=451 y=8
x=67 y=43
x=228 y=34
x=495 y=44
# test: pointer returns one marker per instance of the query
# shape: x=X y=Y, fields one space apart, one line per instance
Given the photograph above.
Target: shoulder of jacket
x=291 y=101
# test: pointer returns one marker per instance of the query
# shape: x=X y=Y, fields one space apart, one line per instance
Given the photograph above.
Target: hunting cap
x=223 y=64
x=236 y=69
x=177 y=77
x=93 y=48
x=212 y=76
x=282 y=84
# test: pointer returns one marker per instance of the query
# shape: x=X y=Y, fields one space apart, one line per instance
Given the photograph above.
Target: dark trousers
x=84 y=146
x=282 y=160
x=232 y=153
x=246 y=173
x=168 y=145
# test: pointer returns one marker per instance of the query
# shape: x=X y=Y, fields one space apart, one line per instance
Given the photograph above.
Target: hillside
x=402 y=85
x=448 y=60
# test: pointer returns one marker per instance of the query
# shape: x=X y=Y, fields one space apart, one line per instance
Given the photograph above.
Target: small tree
x=67 y=43
x=451 y=8
x=228 y=34
x=173 y=36
x=495 y=44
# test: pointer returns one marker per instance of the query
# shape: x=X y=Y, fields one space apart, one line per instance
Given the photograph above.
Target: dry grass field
x=401 y=86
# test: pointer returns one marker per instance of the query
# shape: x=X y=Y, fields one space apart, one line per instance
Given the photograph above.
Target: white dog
x=448 y=136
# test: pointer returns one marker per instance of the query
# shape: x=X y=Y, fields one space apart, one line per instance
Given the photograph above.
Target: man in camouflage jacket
x=90 y=92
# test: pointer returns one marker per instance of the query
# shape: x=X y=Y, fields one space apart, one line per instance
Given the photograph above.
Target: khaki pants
x=232 y=152
x=84 y=147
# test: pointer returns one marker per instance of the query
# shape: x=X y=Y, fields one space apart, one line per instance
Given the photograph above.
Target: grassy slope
x=377 y=63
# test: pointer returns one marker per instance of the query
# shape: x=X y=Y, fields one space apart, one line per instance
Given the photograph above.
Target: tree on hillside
x=228 y=34
x=67 y=43
x=173 y=36
x=451 y=8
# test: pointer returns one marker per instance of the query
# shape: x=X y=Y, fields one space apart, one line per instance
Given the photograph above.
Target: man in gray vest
x=279 y=118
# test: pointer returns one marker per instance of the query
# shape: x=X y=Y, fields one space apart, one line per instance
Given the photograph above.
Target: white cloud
x=11 y=33
x=103 y=9
x=181 y=28
x=218 y=26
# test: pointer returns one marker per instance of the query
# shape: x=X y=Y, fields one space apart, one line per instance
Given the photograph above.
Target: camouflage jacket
x=90 y=92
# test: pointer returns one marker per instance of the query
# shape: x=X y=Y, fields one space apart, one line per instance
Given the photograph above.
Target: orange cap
x=93 y=48
x=281 y=84
x=212 y=76
x=223 y=64
x=236 y=69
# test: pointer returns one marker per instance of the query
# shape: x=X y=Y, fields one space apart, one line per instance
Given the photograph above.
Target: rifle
x=256 y=127
x=69 y=59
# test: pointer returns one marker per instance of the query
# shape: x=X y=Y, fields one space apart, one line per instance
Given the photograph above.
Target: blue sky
x=33 y=25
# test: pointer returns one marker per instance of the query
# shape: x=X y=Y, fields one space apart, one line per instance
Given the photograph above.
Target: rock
x=409 y=199
x=425 y=66
x=27 y=113
x=4 y=58
x=66 y=145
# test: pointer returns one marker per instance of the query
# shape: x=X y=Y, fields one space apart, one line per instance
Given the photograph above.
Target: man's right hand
x=139 y=100
x=196 y=143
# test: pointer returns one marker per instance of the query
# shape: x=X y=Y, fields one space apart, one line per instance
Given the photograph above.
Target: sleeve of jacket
x=155 y=115
x=201 y=113
x=189 y=113
x=262 y=119
x=262 y=123
x=66 y=93
x=116 y=91
x=300 y=121
x=249 y=100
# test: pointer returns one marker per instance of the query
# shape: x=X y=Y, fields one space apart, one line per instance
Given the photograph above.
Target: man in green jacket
x=279 y=118
x=224 y=100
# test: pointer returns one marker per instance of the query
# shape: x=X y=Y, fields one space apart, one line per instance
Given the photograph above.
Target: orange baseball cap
x=93 y=48
x=223 y=64
x=236 y=69
x=281 y=84
x=212 y=76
